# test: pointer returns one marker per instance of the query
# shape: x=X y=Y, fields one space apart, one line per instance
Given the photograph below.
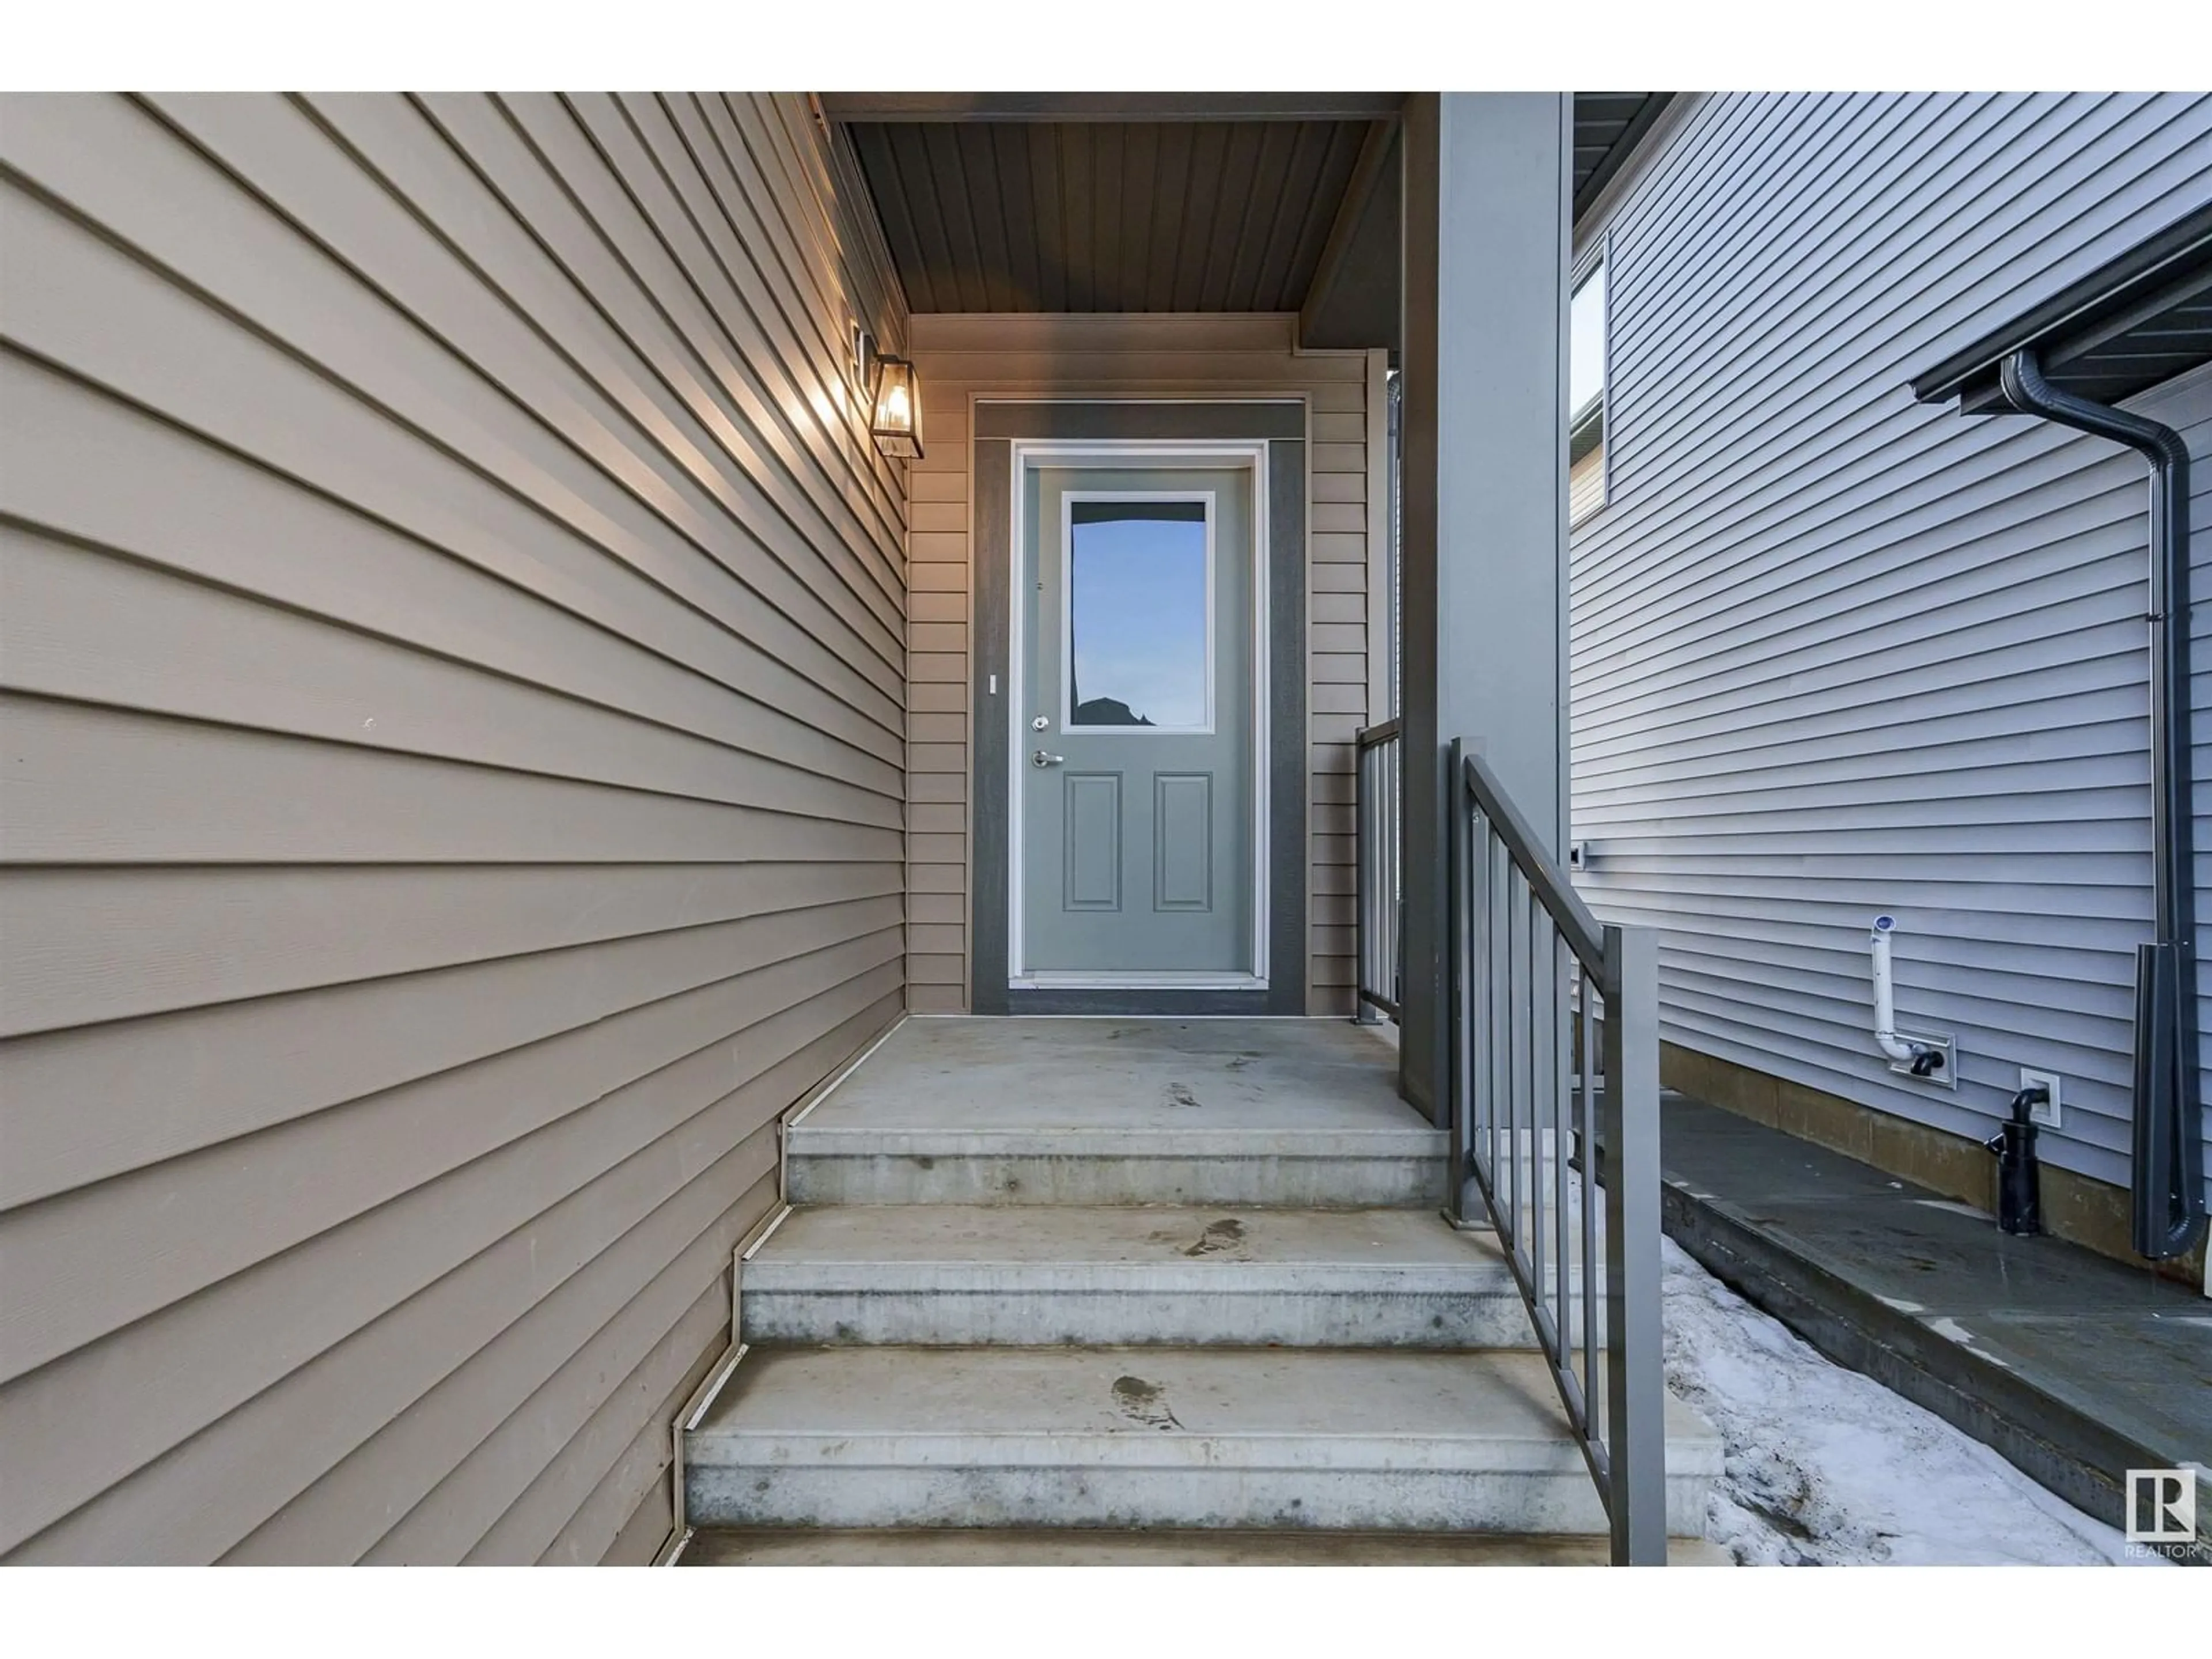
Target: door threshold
x=1132 y=982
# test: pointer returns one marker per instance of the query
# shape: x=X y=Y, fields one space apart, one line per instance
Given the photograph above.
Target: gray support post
x=1485 y=517
x=1635 y=1397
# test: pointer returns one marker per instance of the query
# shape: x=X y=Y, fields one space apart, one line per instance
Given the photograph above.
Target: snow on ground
x=1827 y=1467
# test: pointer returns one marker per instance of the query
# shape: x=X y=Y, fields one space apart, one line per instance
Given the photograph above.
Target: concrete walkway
x=2075 y=1367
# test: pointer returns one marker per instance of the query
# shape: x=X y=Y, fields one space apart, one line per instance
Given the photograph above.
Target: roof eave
x=2137 y=284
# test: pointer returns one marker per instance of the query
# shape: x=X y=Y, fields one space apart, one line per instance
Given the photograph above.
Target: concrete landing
x=947 y=1274
x=1251 y=1075
x=1346 y=1439
x=2075 y=1367
x=1286 y=1114
x=956 y=1547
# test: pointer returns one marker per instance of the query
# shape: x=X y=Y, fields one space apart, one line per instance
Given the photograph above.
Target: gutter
x=2164 y=271
x=2168 y=1117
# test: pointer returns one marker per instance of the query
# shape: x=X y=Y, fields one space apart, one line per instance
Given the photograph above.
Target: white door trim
x=1248 y=454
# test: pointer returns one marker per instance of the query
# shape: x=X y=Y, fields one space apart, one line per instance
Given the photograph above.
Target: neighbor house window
x=1586 y=394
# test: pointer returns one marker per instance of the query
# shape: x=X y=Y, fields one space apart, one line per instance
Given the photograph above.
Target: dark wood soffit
x=1108 y=215
x=1110 y=106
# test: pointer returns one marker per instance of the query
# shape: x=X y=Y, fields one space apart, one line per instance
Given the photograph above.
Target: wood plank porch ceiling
x=1212 y=202
x=1108 y=215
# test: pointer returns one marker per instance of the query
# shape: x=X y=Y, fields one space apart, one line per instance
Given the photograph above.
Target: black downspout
x=2167 y=1165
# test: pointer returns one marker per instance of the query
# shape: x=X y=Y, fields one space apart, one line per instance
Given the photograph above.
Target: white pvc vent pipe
x=1885 y=996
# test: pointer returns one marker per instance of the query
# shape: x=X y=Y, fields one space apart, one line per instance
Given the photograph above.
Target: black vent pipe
x=2020 y=1178
x=2168 y=1163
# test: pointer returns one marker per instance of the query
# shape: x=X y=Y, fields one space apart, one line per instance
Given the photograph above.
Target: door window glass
x=1138 y=640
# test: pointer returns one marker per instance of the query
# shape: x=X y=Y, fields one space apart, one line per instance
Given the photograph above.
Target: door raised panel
x=1092 y=862
x=1182 y=840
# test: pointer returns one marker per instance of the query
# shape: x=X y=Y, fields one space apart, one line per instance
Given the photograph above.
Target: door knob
x=1042 y=760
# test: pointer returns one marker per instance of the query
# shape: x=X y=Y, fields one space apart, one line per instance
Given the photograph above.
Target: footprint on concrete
x=1227 y=1234
x=1144 y=1402
x=1179 y=1094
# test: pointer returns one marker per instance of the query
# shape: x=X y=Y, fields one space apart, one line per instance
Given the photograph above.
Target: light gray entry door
x=1137 y=789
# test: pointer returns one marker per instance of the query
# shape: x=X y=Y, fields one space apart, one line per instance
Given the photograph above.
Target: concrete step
x=1302 y=1170
x=949 y=1547
x=1337 y=1172
x=973 y=1275
x=1260 y=1439
x=1286 y=1114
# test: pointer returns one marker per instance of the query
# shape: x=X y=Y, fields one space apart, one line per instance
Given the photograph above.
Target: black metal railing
x=1379 y=911
x=1555 y=1130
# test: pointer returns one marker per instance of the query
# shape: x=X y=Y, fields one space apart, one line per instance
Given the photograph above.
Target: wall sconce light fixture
x=897 y=423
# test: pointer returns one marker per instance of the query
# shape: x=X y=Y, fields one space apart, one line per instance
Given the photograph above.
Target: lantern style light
x=896 y=424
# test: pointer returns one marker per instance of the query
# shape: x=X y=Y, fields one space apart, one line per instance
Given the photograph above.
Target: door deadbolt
x=1041 y=760
x=1041 y=723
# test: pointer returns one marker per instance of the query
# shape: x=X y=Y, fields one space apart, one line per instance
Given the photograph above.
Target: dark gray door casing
x=1283 y=425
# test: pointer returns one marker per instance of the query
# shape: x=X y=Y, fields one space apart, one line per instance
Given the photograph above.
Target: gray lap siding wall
x=1836 y=652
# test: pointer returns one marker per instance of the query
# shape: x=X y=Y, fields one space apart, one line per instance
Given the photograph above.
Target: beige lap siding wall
x=963 y=358
x=452 y=788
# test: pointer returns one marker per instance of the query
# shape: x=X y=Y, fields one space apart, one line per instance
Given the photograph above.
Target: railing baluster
x=1376 y=906
x=1516 y=945
x=1543 y=994
x=1371 y=907
x=1374 y=910
x=1485 y=1059
x=1377 y=820
x=1471 y=911
x=1386 y=968
x=1525 y=1040
x=1562 y=1102
x=1478 y=1062
x=1499 y=875
x=1362 y=856
x=1386 y=954
x=1513 y=1027
x=1588 y=1140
